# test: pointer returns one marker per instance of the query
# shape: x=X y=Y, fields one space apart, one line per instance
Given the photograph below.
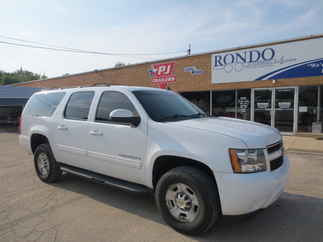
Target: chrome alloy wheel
x=43 y=165
x=182 y=202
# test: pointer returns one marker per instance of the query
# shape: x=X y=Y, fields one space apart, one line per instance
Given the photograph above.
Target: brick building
x=278 y=83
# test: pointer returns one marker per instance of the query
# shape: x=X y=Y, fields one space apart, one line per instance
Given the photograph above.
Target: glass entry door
x=284 y=109
x=276 y=107
x=263 y=106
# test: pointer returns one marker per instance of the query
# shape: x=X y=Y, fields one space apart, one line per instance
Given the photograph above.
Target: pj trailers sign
x=288 y=60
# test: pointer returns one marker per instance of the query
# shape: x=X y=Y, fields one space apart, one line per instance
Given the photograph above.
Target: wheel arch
x=36 y=139
x=164 y=163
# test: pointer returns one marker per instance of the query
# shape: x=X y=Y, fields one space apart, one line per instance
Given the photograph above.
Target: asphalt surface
x=78 y=210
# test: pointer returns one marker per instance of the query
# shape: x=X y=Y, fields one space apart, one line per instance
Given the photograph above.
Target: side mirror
x=124 y=116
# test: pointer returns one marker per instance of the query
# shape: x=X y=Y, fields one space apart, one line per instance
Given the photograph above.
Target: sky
x=140 y=26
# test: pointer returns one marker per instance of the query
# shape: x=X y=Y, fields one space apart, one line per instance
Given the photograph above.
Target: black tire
x=54 y=170
x=204 y=188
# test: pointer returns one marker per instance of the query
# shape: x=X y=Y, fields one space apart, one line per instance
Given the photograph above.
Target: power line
x=36 y=42
x=88 y=52
x=39 y=45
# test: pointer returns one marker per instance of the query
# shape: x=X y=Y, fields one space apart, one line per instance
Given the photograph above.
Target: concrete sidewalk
x=300 y=143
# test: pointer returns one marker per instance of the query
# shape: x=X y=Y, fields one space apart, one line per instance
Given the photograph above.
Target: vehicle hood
x=254 y=135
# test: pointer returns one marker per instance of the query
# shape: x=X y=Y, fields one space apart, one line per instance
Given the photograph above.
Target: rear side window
x=44 y=104
x=109 y=101
x=78 y=106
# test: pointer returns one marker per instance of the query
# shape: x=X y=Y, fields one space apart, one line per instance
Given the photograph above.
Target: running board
x=107 y=180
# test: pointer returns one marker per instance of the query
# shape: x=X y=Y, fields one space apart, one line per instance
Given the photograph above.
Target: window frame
x=113 y=122
x=69 y=99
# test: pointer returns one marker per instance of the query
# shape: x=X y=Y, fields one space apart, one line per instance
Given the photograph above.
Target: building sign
x=162 y=73
x=243 y=104
x=302 y=109
x=284 y=105
x=193 y=70
x=288 y=60
x=262 y=105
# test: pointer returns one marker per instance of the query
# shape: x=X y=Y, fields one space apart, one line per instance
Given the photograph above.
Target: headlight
x=247 y=160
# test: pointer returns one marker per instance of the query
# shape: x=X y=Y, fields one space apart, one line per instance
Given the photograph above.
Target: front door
x=114 y=148
x=276 y=107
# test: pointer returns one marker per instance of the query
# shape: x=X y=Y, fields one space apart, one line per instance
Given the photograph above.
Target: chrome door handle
x=62 y=127
x=96 y=133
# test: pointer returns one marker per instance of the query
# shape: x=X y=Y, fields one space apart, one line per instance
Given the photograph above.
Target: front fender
x=160 y=153
x=209 y=148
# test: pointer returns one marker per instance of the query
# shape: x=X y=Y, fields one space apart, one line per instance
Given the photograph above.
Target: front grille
x=274 y=147
x=276 y=163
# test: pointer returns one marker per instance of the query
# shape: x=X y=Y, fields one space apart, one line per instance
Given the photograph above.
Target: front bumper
x=246 y=193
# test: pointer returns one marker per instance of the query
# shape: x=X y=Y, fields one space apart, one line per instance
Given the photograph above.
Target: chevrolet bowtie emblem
x=193 y=70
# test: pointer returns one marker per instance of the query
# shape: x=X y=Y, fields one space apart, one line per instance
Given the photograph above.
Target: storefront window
x=307 y=109
x=10 y=115
x=200 y=99
x=243 y=104
x=321 y=108
x=223 y=103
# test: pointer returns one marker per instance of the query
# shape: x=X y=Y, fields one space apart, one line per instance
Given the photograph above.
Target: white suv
x=146 y=139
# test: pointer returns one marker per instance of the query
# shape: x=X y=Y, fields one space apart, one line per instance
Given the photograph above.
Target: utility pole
x=189 y=49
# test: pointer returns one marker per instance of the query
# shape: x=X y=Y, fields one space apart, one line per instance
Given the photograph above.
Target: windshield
x=162 y=106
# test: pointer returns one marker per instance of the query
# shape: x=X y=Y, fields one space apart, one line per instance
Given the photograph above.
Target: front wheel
x=188 y=200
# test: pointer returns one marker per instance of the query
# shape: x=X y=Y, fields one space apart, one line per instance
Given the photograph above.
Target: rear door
x=116 y=149
x=71 y=129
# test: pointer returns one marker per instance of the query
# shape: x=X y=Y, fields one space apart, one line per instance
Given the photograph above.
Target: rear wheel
x=188 y=200
x=47 y=168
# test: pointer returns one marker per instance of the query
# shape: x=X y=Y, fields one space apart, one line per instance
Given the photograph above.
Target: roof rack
x=100 y=85
x=93 y=85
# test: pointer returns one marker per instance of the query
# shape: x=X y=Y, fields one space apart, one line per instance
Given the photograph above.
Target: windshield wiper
x=198 y=115
x=182 y=116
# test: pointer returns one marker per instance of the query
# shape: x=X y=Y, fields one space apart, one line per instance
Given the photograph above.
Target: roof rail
x=68 y=87
x=100 y=85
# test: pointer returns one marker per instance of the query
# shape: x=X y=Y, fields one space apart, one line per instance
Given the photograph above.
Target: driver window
x=109 y=101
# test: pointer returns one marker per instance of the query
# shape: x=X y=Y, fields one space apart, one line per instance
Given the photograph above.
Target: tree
x=7 y=78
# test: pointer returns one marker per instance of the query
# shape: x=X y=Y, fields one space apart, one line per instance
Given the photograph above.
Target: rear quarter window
x=44 y=104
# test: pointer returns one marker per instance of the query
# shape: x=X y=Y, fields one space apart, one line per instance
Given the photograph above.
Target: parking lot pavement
x=78 y=210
